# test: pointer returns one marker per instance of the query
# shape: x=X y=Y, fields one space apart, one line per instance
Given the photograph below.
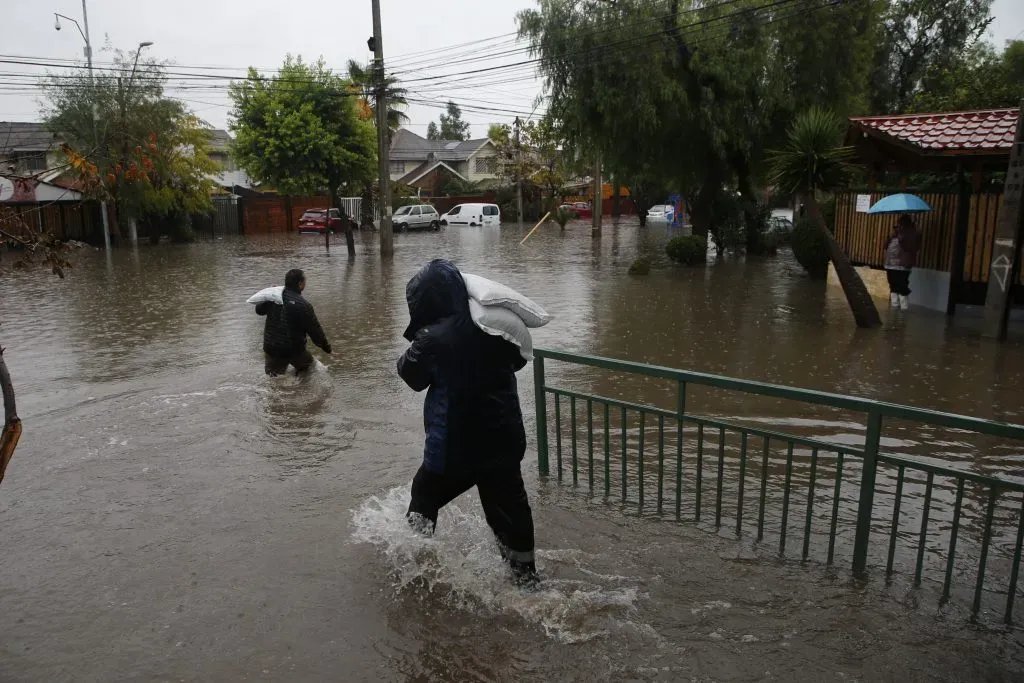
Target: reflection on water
x=172 y=512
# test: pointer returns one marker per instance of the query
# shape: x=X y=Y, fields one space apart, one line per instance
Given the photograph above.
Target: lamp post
x=133 y=229
x=95 y=131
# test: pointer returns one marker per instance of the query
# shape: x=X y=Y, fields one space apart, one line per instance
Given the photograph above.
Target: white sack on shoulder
x=490 y=293
x=501 y=322
x=269 y=294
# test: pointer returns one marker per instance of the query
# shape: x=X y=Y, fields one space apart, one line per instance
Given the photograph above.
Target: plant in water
x=641 y=266
x=810 y=248
x=690 y=250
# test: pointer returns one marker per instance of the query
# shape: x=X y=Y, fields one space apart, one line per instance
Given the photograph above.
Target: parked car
x=580 y=210
x=314 y=222
x=472 y=215
x=780 y=224
x=416 y=217
x=662 y=212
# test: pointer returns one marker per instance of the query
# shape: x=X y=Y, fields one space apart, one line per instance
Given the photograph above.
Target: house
x=231 y=177
x=30 y=149
x=420 y=163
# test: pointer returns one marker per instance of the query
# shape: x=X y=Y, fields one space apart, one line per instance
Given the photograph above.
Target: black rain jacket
x=471 y=414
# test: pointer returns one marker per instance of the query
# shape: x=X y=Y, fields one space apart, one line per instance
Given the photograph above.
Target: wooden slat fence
x=864 y=236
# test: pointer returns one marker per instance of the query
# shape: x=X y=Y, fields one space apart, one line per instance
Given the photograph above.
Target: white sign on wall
x=6 y=189
x=863 y=203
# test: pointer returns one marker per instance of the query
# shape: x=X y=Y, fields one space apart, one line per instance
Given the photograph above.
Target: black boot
x=524 y=574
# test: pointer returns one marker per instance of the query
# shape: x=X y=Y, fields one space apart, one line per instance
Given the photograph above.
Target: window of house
x=398 y=167
x=485 y=164
x=33 y=163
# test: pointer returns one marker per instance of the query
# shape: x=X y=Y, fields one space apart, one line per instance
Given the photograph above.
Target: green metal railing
x=832 y=480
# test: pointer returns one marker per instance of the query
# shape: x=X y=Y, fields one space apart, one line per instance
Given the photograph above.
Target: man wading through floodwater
x=474 y=425
x=284 y=336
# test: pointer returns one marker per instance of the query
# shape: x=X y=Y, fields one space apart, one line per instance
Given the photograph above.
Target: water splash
x=461 y=566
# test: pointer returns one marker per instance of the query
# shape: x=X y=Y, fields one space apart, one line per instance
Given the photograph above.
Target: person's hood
x=437 y=291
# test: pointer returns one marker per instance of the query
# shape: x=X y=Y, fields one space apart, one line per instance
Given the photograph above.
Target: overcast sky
x=216 y=37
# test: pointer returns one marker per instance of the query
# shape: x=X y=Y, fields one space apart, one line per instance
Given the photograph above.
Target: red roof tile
x=991 y=129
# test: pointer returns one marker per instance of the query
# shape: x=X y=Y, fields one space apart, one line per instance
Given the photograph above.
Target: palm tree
x=813 y=162
x=363 y=78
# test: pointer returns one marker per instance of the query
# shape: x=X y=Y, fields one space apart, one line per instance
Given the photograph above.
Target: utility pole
x=95 y=113
x=598 y=187
x=519 y=172
x=1005 y=266
x=387 y=240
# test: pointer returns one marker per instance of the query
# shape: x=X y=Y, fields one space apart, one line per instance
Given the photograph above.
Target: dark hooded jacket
x=471 y=414
x=284 y=335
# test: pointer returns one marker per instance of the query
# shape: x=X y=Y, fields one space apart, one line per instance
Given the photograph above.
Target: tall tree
x=918 y=36
x=452 y=126
x=395 y=96
x=981 y=78
x=300 y=130
x=813 y=162
x=148 y=154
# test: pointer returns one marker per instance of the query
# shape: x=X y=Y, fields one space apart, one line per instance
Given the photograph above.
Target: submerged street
x=174 y=514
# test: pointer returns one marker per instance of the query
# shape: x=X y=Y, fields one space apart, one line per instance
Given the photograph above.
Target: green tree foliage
x=144 y=151
x=534 y=155
x=301 y=131
x=810 y=248
x=690 y=95
x=921 y=36
x=981 y=78
x=452 y=126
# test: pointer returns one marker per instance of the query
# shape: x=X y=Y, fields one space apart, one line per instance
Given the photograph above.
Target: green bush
x=690 y=250
x=641 y=266
x=810 y=248
x=758 y=232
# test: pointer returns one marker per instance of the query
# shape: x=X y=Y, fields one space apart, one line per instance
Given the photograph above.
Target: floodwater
x=173 y=514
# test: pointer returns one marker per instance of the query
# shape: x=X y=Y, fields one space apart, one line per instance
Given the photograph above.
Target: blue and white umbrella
x=900 y=203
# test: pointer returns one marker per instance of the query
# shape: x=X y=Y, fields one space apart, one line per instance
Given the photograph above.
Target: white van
x=473 y=215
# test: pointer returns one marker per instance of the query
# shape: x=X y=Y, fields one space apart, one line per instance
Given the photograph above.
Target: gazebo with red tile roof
x=964 y=143
x=934 y=142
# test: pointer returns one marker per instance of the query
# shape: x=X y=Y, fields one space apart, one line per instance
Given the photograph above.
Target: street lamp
x=92 y=83
x=133 y=235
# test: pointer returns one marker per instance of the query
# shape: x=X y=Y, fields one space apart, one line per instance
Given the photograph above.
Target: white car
x=416 y=217
x=472 y=215
x=662 y=212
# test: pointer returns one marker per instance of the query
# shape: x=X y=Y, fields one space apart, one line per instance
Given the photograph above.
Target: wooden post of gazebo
x=1005 y=266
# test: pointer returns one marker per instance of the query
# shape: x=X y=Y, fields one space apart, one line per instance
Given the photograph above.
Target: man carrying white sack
x=473 y=422
x=289 y=321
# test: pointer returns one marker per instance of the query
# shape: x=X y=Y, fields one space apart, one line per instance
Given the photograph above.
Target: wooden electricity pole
x=387 y=240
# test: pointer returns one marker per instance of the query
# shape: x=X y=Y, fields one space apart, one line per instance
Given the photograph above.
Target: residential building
x=231 y=176
x=419 y=163
x=29 y=149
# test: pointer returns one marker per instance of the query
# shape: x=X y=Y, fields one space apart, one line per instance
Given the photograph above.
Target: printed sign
x=863 y=203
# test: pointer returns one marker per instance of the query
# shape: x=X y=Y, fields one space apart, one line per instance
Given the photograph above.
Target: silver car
x=416 y=217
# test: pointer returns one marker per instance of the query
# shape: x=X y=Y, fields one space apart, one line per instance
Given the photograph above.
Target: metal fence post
x=867 y=492
x=540 y=399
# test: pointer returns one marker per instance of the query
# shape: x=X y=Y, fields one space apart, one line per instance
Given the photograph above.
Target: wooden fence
x=67 y=220
x=265 y=215
x=864 y=236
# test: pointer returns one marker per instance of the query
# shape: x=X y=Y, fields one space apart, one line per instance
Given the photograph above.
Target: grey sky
x=231 y=35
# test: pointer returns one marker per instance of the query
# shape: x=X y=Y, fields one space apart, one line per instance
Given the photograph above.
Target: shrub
x=810 y=248
x=758 y=232
x=690 y=250
x=641 y=266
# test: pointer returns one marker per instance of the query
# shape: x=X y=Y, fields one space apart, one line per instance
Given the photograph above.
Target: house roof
x=407 y=146
x=982 y=132
x=220 y=140
x=26 y=136
x=425 y=168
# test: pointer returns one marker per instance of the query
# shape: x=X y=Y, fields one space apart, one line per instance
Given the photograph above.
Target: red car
x=314 y=221
x=579 y=209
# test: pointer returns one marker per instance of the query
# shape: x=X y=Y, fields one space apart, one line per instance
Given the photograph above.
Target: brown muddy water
x=173 y=514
